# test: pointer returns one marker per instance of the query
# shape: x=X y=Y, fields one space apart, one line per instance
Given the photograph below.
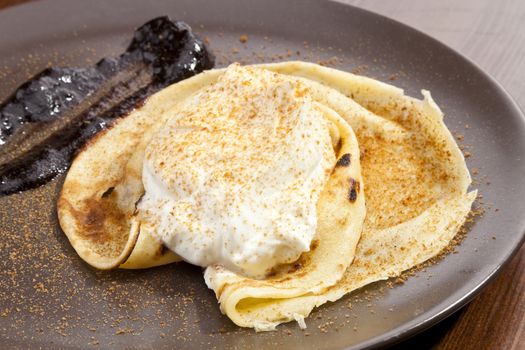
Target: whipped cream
x=234 y=177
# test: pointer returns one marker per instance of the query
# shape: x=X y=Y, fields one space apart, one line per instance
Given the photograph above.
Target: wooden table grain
x=492 y=33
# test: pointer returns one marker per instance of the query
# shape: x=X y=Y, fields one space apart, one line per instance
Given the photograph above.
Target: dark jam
x=52 y=115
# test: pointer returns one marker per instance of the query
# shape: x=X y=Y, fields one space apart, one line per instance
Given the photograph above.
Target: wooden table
x=492 y=33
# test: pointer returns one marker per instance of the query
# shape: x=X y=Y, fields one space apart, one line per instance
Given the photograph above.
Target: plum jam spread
x=48 y=118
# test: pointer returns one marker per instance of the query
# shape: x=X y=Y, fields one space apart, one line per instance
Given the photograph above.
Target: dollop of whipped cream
x=234 y=177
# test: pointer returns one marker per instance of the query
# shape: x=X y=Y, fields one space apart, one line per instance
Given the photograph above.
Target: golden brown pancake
x=413 y=176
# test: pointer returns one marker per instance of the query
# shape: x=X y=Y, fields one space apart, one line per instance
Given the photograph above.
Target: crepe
x=416 y=191
x=96 y=206
x=340 y=214
x=414 y=178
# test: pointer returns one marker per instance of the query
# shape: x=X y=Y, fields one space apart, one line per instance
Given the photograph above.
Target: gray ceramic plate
x=49 y=298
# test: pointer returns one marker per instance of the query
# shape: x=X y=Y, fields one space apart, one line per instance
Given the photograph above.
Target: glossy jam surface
x=52 y=115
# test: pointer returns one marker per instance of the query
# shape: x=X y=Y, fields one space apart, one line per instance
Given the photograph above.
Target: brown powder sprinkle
x=243 y=38
x=361 y=69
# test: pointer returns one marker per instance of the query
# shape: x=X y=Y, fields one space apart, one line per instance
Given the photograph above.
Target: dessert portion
x=52 y=115
x=416 y=189
x=234 y=176
x=259 y=174
x=226 y=173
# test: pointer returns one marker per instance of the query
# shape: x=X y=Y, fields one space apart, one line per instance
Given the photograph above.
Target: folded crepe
x=416 y=190
x=96 y=207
